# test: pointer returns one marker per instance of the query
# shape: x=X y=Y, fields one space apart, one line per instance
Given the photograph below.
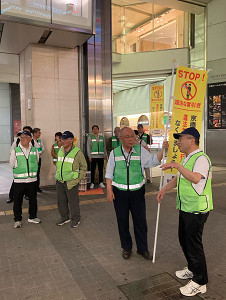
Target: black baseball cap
x=67 y=135
x=26 y=133
x=191 y=131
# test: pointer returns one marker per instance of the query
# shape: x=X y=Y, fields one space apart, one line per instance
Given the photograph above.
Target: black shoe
x=39 y=190
x=126 y=254
x=145 y=254
x=9 y=200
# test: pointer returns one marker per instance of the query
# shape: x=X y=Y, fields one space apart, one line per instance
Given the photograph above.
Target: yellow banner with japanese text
x=157 y=110
x=188 y=103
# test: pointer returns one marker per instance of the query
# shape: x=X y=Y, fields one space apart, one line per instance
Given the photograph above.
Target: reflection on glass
x=30 y=9
x=146 y=27
x=75 y=13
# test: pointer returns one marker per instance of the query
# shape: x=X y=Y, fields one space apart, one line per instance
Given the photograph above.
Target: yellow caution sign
x=188 y=103
x=157 y=110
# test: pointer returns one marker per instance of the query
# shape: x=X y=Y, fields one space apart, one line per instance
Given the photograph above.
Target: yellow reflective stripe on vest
x=60 y=158
x=131 y=187
x=97 y=152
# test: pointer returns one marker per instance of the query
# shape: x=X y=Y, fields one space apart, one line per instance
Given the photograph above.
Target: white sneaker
x=91 y=186
x=184 y=274
x=102 y=185
x=35 y=220
x=17 y=224
x=192 y=288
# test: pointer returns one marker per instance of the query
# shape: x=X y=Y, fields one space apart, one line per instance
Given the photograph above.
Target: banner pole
x=161 y=180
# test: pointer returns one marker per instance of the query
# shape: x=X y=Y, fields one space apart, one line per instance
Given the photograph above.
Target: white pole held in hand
x=161 y=181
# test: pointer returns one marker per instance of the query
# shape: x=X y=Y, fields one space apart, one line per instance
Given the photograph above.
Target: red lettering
x=192 y=76
x=180 y=73
x=197 y=76
x=186 y=73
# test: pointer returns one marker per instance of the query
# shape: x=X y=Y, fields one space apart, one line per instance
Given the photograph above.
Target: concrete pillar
x=49 y=96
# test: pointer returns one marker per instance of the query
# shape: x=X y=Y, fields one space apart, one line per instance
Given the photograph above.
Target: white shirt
x=201 y=166
x=13 y=162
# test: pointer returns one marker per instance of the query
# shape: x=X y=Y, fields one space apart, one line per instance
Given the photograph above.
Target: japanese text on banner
x=157 y=110
x=189 y=94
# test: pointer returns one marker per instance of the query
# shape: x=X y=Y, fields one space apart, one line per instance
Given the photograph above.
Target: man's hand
x=90 y=159
x=171 y=166
x=165 y=145
x=110 y=195
x=161 y=194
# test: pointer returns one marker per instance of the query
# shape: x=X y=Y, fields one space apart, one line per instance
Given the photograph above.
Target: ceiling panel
x=125 y=84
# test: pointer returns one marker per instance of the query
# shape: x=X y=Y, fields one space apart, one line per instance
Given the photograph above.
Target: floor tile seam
x=89 y=201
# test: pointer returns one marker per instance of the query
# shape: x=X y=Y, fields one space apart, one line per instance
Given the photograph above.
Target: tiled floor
x=45 y=261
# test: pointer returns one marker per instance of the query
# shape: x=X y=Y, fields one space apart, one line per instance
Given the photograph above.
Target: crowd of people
x=129 y=161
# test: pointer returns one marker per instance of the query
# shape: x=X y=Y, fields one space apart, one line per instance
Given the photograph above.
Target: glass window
x=39 y=10
x=145 y=27
x=72 y=13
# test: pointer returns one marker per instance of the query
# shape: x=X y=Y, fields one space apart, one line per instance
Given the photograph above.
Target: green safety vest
x=25 y=167
x=144 y=137
x=128 y=177
x=40 y=147
x=188 y=200
x=64 y=171
x=97 y=148
x=56 y=150
x=114 y=142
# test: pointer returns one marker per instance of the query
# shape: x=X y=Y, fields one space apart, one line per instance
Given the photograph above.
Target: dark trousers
x=11 y=192
x=38 y=173
x=65 y=197
x=190 y=237
x=100 y=163
x=134 y=202
x=19 y=190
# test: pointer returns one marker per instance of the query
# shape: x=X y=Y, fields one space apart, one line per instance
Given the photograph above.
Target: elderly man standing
x=126 y=189
x=24 y=161
x=96 y=151
x=71 y=169
x=194 y=201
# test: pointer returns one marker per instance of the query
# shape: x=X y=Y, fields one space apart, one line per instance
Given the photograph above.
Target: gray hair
x=123 y=129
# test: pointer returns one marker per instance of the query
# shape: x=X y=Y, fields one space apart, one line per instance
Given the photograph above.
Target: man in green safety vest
x=96 y=151
x=36 y=135
x=56 y=146
x=24 y=162
x=146 y=138
x=194 y=201
x=71 y=169
x=126 y=189
x=113 y=141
